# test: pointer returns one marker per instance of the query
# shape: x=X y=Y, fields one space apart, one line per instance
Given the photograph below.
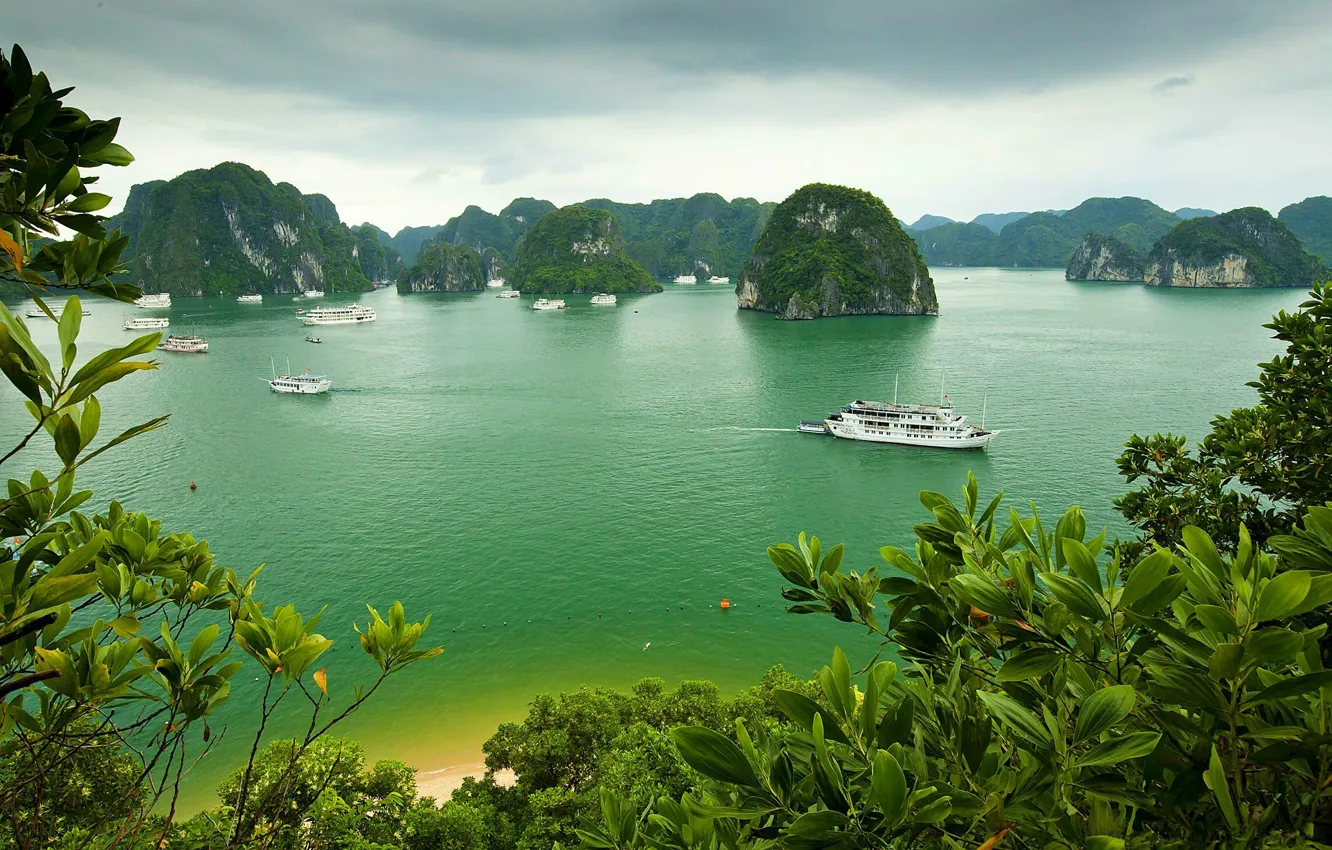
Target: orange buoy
x=725 y=603
x=194 y=486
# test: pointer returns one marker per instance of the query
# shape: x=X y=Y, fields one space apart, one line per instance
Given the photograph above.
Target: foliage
x=481 y=230
x=444 y=268
x=1276 y=451
x=46 y=151
x=230 y=229
x=1047 y=239
x=1311 y=221
x=577 y=249
x=1053 y=696
x=1273 y=254
x=1123 y=263
x=836 y=250
x=378 y=261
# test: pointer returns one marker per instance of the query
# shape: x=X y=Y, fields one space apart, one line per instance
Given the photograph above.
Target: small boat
x=313 y=339
x=808 y=427
x=289 y=384
x=300 y=310
x=146 y=323
x=686 y=279
x=719 y=280
x=549 y=304
x=249 y=299
x=313 y=293
x=153 y=300
x=183 y=344
x=510 y=293
x=603 y=299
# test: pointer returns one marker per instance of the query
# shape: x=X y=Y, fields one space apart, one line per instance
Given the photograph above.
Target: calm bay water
x=532 y=478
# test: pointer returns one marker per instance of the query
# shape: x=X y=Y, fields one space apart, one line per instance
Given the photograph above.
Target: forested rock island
x=835 y=251
x=1244 y=247
x=577 y=249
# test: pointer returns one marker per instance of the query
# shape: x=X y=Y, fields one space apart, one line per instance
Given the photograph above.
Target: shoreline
x=441 y=783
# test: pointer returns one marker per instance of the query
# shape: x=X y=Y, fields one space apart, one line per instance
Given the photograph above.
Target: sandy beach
x=441 y=783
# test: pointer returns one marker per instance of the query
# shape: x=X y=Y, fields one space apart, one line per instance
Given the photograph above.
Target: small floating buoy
x=194 y=486
x=725 y=603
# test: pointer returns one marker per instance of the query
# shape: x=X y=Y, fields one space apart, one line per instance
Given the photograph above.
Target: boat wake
x=738 y=428
x=344 y=390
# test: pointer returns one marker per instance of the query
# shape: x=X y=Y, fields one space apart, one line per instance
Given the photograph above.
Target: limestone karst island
x=651 y=426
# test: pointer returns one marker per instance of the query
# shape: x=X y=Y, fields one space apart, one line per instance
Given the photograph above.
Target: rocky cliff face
x=1244 y=247
x=445 y=268
x=834 y=251
x=577 y=249
x=230 y=229
x=1101 y=257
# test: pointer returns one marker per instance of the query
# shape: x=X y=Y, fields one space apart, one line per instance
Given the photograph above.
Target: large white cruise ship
x=146 y=323
x=57 y=310
x=933 y=425
x=250 y=299
x=352 y=314
x=686 y=278
x=152 y=300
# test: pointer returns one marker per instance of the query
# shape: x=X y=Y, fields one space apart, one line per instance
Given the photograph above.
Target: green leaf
x=802 y=710
x=1217 y=619
x=67 y=329
x=1225 y=661
x=890 y=788
x=1216 y=778
x=1145 y=576
x=88 y=202
x=1074 y=594
x=1282 y=595
x=1103 y=709
x=1274 y=644
x=141 y=345
x=202 y=641
x=1104 y=842
x=1293 y=687
x=113 y=154
x=1320 y=594
x=1029 y=664
x=714 y=755
x=1082 y=563
x=1017 y=718
x=68 y=441
x=982 y=593
x=1120 y=749
x=1201 y=547
x=49 y=592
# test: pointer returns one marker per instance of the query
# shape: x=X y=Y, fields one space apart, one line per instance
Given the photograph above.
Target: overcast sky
x=403 y=112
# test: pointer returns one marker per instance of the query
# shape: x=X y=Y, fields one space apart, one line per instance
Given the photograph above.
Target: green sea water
x=562 y=489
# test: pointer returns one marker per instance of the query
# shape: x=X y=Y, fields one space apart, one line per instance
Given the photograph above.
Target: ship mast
x=895 y=377
x=984 y=405
x=942 y=379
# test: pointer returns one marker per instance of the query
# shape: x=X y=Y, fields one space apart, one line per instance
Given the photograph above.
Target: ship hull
x=851 y=431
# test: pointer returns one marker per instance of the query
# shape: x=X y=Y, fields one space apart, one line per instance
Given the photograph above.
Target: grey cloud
x=1169 y=84
x=498 y=58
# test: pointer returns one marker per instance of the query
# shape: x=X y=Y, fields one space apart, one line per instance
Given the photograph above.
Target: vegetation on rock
x=1244 y=247
x=1101 y=257
x=378 y=261
x=445 y=268
x=833 y=251
x=230 y=229
x=1311 y=221
x=577 y=249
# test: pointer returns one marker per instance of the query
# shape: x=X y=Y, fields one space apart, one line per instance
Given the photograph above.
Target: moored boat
x=351 y=314
x=153 y=300
x=510 y=293
x=313 y=293
x=604 y=299
x=549 y=304
x=719 y=280
x=313 y=339
x=146 y=323
x=184 y=344
x=495 y=282
x=249 y=299
x=57 y=310
x=808 y=427
x=686 y=279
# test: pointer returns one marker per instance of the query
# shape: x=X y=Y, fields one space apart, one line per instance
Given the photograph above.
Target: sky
x=405 y=112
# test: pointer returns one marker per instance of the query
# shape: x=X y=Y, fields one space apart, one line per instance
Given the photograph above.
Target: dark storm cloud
x=1169 y=84
x=527 y=58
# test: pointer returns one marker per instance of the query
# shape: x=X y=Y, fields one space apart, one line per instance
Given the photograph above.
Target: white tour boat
x=549 y=304
x=306 y=384
x=719 y=280
x=495 y=282
x=603 y=299
x=153 y=300
x=57 y=310
x=933 y=425
x=313 y=293
x=808 y=427
x=249 y=299
x=686 y=278
x=184 y=344
x=352 y=314
x=510 y=293
x=146 y=323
